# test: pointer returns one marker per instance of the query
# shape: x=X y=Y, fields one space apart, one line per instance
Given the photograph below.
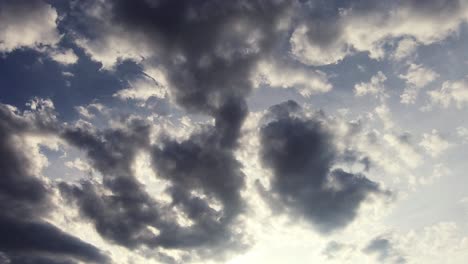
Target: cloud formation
x=302 y=156
x=27 y=24
x=383 y=248
x=25 y=198
x=333 y=30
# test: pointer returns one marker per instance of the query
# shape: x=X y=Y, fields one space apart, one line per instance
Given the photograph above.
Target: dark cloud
x=301 y=154
x=208 y=50
x=204 y=164
x=124 y=215
x=384 y=250
x=23 y=239
x=25 y=199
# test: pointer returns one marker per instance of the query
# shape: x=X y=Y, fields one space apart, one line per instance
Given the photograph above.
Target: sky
x=209 y=131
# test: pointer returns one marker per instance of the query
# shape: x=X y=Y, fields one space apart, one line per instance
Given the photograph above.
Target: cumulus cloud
x=306 y=82
x=374 y=87
x=206 y=54
x=333 y=30
x=144 y=88
x=65 y=57
x=204 y=184
x=452 y=93
x=27 y=24
x=301 y=154
x=404 y=48
x=206 y=57
x=434 y=144
x=25 y=198
x=417 y=77
x=32 y=25
x=383 y=248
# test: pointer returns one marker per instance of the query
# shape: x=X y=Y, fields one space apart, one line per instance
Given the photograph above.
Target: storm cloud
x=301 y=155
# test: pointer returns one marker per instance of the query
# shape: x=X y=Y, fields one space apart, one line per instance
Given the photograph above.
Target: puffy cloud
x=302 y=156
x=451 y=93
x=374 y=87
x=312 y=53
x=434 y=143
x=91 y=110
x=27 y=24
x=203 y=185
x=332 y=30
x=383 y=248
x=404 y=48
x=33 y=25
x=65 y=57
x=405 y=149
x=25 y=197
x=145 y=87
x=206 y=54
x=462 y=132
x=416 y=78
x=432 y=244
x=306 y=82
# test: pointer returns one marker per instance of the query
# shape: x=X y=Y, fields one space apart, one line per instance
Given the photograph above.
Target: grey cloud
x=208 y=50
x=203 y=164
x=23 y=239
x=300 y=152
x=333 y=248
x=25 y=200
x=384 y=250
x=122 y=216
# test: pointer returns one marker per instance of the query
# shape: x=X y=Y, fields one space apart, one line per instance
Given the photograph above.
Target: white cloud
x=416 y=78
x=65 y=57
x=114 y=43
x=305 y=81
x=310 y=53
x=434 y=244
x=374 y=87
x=452 y=92
x=405 y=151
x=404 y=49
x=27 y=26
x=462 y=132
x=434 y=143
x=79 y=164
x=152 y=84
x=114 y=46
x=361 y=31
x=89 y=111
